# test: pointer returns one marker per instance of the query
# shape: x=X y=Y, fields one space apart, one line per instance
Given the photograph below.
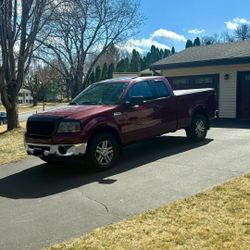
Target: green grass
x=216 y=219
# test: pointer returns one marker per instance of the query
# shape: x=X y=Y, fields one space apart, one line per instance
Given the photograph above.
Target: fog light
x=63 y=149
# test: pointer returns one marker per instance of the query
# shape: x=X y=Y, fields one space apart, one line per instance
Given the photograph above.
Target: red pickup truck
x=112 y=113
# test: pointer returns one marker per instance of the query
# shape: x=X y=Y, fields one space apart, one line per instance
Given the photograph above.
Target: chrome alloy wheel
x=104 y=152
x=200 y=128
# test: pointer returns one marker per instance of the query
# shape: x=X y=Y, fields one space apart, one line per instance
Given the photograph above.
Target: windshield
x=101 y=94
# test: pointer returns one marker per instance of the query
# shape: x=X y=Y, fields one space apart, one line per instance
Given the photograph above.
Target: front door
x=140 y=121
x=243 y=95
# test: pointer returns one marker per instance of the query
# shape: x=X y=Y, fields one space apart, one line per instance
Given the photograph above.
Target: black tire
x=198 y=129
x=102 y=151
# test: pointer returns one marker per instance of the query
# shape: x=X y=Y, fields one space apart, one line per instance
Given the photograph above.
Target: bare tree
x=20 y=22
x=86 y=27
x=243 y=32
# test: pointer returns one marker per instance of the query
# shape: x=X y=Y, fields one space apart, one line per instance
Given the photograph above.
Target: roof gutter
x=226 y=61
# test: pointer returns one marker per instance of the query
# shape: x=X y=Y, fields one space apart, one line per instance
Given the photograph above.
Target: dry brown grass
x=216 y=219
x=11 y=144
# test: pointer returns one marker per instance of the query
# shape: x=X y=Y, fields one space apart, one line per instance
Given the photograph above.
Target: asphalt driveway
x=40 y=205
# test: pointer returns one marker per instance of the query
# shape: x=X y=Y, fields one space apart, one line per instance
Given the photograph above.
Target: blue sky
x=169 y=23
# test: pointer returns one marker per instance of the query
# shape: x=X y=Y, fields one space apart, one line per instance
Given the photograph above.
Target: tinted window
x=160 y=89
x=141 y=89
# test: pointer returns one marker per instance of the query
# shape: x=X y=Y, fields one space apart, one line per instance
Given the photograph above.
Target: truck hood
x=78 y=112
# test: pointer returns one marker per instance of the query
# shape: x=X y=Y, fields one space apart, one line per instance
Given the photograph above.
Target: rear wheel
x=198 y=129
x=103 y=151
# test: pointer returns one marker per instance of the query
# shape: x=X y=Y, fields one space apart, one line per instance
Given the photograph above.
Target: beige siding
x=227 y=88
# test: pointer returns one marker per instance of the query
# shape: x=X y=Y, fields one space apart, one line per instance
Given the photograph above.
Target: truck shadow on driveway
x=44 y=180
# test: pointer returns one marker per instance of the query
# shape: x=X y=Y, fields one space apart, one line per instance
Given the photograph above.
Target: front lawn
x=216 y=219
x=11 y=144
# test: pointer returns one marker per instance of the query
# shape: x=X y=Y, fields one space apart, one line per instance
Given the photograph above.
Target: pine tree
x=166 y=53
x=135 y=61
x=91 y=78
x=110 y=70
x=197 y=41
x=189 y=44
x=98 y=73
x=126 y=65
x=172 y=51
x=104 y=71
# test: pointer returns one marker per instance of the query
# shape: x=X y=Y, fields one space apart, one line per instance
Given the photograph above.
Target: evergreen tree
x=98 y=73
x=120 y=66
x=110 y=70
x=189 y=44
x=143 y=63
x=172 y=51
x=126 y=65
x=197 y=41
x=135 y=61
x=161 y=53
x=104 y=71
x=148 y=59
x=166 y=53
x=91 y=78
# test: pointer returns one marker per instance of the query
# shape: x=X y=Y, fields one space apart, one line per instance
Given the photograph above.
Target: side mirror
x=135 y=100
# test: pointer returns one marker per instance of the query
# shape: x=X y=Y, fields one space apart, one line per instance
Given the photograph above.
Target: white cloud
x=167 y=34
x=234 y=24
x=143 y=45
x=196 y=31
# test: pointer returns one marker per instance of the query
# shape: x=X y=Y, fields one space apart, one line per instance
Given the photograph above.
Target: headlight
x=69 y=127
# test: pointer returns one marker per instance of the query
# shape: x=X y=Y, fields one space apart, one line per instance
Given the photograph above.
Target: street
x=41 y=205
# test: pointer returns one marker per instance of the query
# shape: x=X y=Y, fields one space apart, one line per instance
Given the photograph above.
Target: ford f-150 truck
x=112 y=113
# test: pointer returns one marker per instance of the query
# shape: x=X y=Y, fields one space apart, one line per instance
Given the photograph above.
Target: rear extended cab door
x=166 y=104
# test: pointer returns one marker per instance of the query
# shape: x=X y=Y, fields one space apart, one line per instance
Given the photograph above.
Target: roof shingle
x=226 y=53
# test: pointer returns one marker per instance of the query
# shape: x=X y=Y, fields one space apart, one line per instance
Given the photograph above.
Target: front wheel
x=103 y=151
x=198 y=129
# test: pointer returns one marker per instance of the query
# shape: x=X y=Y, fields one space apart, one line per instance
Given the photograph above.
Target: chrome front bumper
x=56 y=150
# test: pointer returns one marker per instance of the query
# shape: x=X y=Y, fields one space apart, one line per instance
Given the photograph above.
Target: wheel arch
x=106 y=130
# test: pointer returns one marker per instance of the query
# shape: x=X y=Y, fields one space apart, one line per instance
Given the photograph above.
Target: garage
x=243 y=95
x=224 y=67
x=196 y=82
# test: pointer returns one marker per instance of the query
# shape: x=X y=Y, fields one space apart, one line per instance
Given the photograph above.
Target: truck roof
x=130 y=79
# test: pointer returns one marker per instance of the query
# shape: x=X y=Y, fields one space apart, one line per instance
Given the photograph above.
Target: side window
x=141 y=89
x=160 y=89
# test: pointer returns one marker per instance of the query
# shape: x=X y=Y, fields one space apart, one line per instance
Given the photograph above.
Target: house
x=24 y=96
x=224 y=67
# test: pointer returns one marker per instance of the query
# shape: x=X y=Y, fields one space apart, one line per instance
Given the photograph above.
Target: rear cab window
x=141 y=89
x=159 y=88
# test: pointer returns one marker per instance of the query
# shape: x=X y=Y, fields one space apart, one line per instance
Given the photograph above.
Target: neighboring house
x=224 y=67
x=24 y=96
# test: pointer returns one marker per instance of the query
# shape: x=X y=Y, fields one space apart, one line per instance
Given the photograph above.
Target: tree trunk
x=35 y=101
x=75 y=88
x=12 y=117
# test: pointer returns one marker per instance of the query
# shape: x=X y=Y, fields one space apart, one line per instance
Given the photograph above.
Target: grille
x=41 y=127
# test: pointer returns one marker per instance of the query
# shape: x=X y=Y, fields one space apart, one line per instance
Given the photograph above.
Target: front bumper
x=62 y=150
